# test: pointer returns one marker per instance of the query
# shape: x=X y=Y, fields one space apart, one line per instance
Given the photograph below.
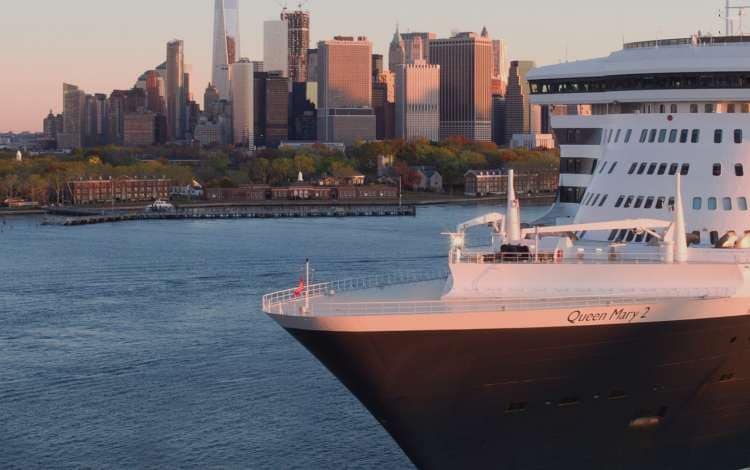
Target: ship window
x=726 y=203
x=673 y=136
x=632 y=168
x=673 y=169
x=662 y=169
x=709 y=108
x=621 y=235
x=652 y=168
x=628 y=135
x=684 y=136
x=619 y=201
x=697 y=236
x=516 y=407
x=745 y=108
x=612 y=168
x=671 y=203
x=731 y=108
x=712 y=204
x=662 y=109
x=649 y=202
x=629 y=202
x=617 y=136
x=631 y=236
x=717 y=169
x=673 y=108
x=569 y=401
x=596 y=199
x=739 y=169
x=644 y=135
x=685 y=170
x=662 y=136
x=726 y=378
x=639 y=238
x=604 y=199
x=617 y=395
x=738 y=136
x=742 y=203
x=649 y=237
x=638 y=202
x=652 y=136
x=609 y=136
x=601 y=170
x=697 y=203
x=642 y=168
x=714 y=237
x=693 y=108
x=718 y=136
x=696 y=136
x=612 y=235
x=660 y=202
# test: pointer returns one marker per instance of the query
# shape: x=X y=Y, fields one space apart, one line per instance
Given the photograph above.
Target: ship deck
x=385 y=296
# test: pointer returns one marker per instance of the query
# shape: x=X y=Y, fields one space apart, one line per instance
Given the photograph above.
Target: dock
x=73 y=217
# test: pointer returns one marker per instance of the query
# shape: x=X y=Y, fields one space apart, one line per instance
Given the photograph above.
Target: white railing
x=575 y=257
x=498 y=305
x=294 y=295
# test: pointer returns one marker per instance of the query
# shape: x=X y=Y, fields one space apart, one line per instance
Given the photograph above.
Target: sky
x=101 y=45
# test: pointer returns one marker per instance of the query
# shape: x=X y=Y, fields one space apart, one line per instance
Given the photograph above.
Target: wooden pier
x=67 y=218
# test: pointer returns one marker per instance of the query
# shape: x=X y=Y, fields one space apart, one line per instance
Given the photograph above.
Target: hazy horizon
x=101 y=49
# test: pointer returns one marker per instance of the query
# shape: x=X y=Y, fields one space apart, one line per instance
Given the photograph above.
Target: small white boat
x=160 y=206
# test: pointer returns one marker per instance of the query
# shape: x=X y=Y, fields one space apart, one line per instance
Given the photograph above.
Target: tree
x=410 y=178
x=304 y=164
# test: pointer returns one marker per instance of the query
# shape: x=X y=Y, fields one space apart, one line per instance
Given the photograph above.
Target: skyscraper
x=396 y=52
x=242 y=103
x=521 y=117
x=417 y=46
x=298 y=23
x=226 y=43
x=465 y=85
x=276 y=47
x=345 y=90
x=175 y=90
x=418 y=101
x=271 y=104
x=499 y=60
x=74 y=103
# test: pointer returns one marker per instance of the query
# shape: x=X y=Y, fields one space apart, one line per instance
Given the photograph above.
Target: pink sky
x=101 y=45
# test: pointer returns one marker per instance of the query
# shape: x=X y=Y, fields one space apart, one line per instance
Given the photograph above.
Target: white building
x=242 y=103
x=418 y=101
x=276 y=47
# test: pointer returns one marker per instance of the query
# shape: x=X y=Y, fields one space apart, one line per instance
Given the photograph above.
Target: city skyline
x=71 y=43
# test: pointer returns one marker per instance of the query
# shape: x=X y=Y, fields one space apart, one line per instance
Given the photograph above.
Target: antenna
x=729 y=21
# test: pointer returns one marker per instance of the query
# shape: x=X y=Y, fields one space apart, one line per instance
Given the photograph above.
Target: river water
x=142 y=345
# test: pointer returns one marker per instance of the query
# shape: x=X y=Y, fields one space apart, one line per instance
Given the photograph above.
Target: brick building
x=96 y=191
x=483 y=183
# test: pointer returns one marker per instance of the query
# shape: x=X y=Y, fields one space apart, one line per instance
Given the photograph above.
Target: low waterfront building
x=98 y=191
x=429 y=179
x=495 y=182
x=244 y=193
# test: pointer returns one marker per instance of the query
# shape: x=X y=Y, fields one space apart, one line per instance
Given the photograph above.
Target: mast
x=513 y=226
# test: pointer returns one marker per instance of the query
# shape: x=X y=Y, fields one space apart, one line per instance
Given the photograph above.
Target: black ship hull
x=671 y=395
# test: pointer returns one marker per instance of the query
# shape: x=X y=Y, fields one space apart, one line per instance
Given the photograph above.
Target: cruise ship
x=618 y=338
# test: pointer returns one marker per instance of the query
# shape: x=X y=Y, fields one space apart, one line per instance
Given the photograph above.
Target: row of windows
x=659 y=169
x=661 y=81
x=572 y=194
x=651 y=136
x=727 y=203
x=739 y=169
x=578 y=166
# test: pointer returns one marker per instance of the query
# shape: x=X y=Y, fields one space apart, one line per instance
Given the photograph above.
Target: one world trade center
x=226 y=44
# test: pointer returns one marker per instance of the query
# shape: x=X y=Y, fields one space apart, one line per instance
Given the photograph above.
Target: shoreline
x=421 y=202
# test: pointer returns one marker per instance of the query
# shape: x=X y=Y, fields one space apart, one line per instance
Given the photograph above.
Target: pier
x=72 y=217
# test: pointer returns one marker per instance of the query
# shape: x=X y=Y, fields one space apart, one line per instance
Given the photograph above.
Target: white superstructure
x=656 y=108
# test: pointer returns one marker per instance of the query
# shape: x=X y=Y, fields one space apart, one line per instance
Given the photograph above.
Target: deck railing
x=276 y=299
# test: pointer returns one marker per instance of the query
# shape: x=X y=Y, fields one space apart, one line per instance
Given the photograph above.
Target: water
x=143 y=345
